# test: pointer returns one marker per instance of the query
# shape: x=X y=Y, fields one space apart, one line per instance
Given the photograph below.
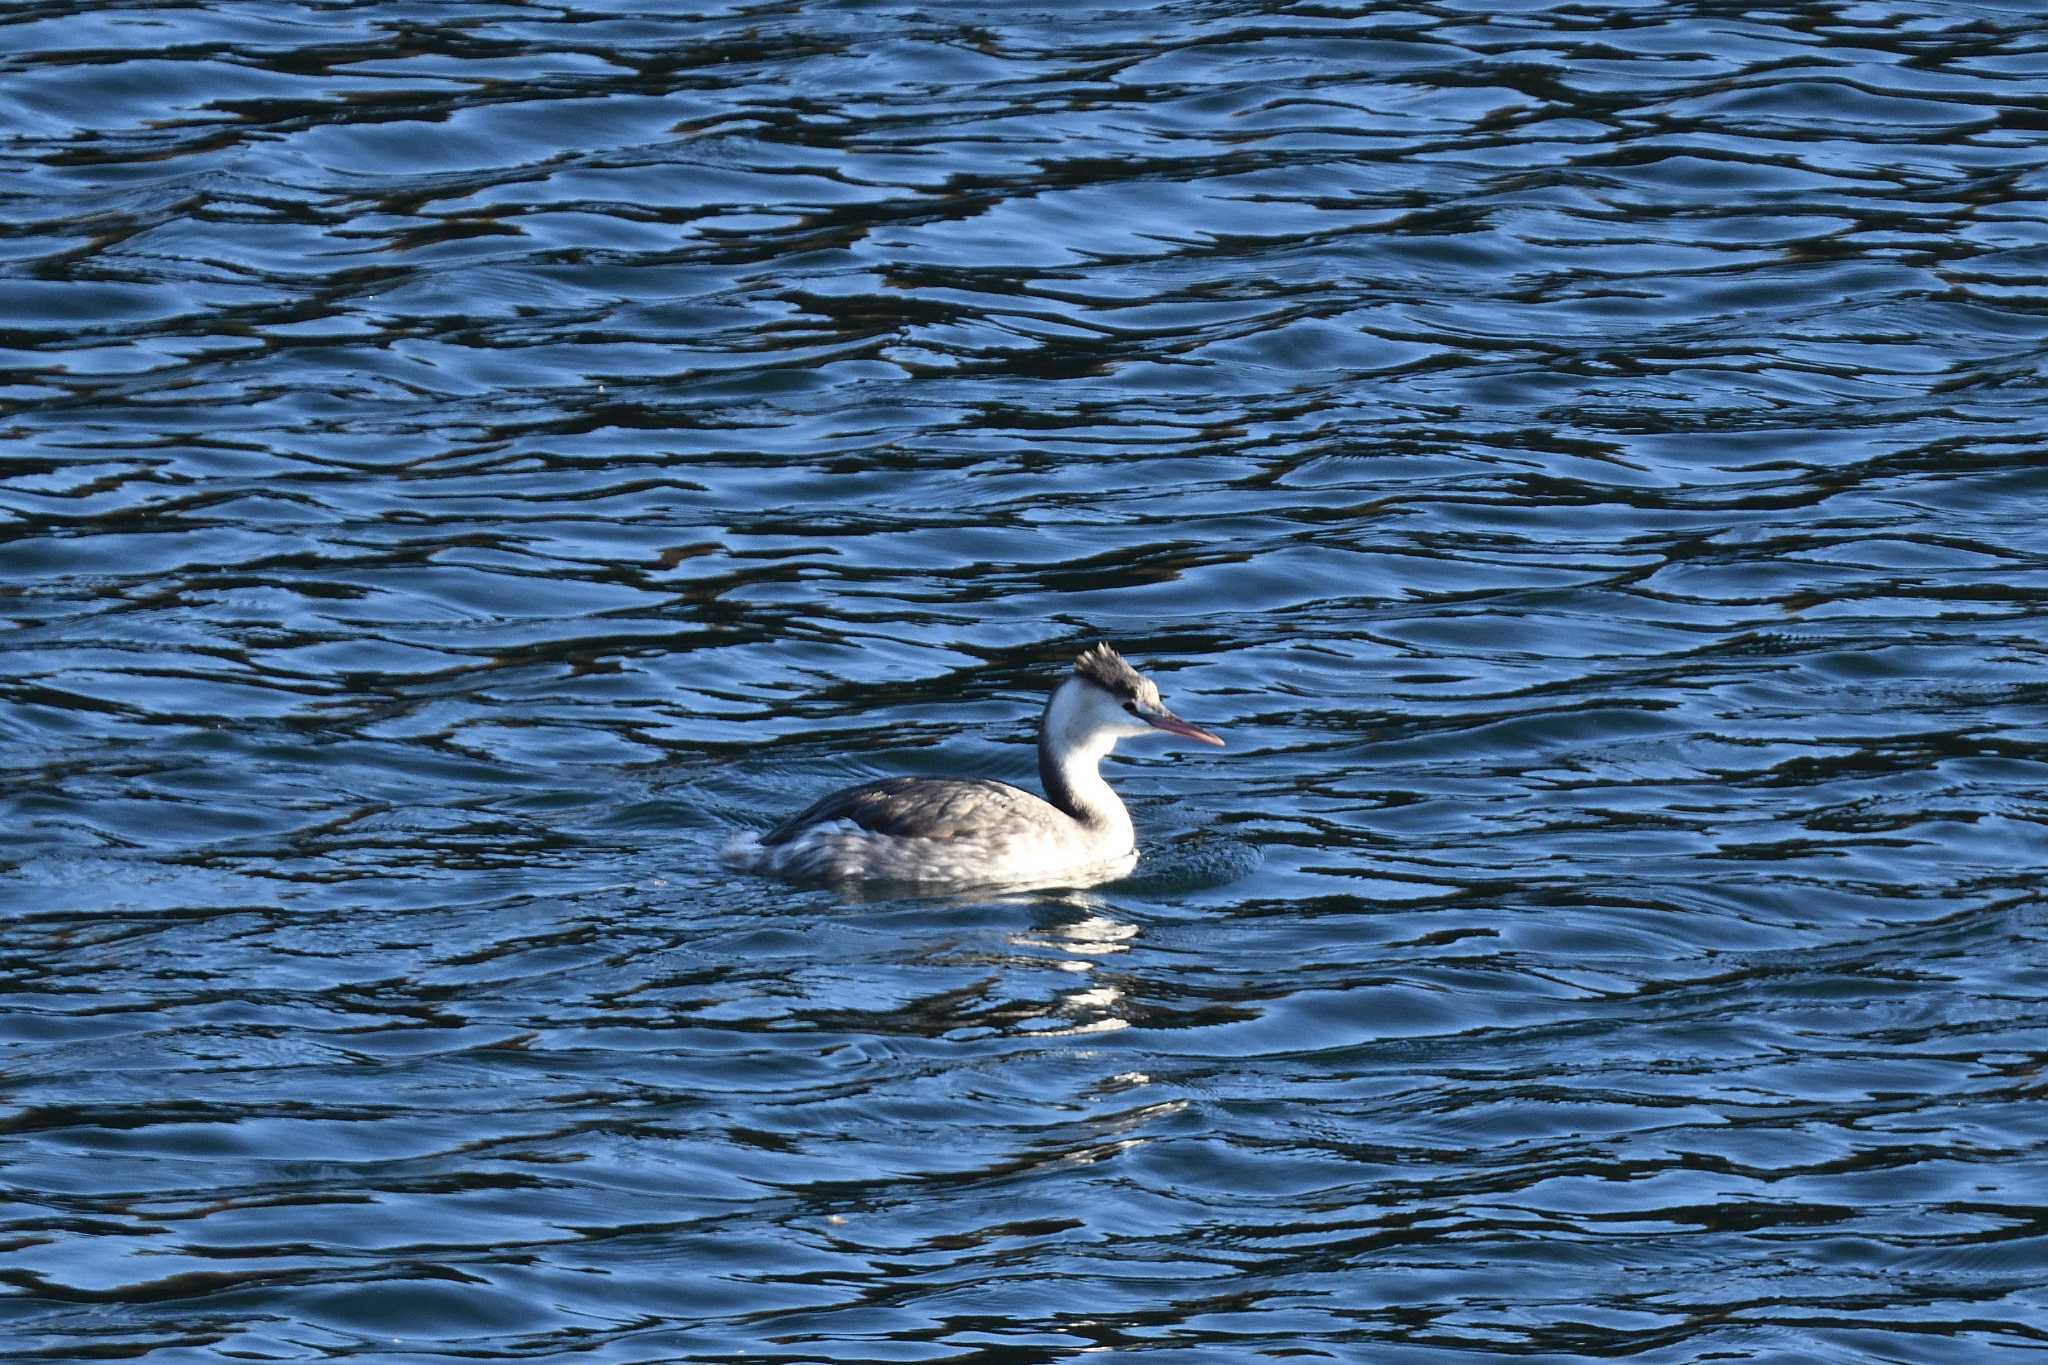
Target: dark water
x=462 y=460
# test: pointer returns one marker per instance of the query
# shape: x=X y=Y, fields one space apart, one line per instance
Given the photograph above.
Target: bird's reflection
x=1057 y=890
x=1041 y=972
x=1079 y=945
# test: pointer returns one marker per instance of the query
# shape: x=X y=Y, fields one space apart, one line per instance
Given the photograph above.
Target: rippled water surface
x=462 y=461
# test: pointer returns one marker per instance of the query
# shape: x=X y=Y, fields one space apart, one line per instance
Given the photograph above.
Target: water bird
x=976 y=830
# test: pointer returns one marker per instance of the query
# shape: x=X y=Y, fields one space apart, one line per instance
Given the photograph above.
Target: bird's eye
x=1131 y=707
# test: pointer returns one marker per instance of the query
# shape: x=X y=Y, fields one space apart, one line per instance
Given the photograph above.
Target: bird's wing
x=921 y=808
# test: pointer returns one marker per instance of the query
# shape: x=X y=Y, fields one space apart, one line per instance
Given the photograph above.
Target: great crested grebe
x=974 y=830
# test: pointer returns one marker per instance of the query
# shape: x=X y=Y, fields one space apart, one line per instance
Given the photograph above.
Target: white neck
x=1073 y=739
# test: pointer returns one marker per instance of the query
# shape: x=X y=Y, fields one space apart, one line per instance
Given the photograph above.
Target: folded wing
x=922 y=808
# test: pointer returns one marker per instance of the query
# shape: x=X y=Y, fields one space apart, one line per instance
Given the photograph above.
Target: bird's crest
x=1106 y=668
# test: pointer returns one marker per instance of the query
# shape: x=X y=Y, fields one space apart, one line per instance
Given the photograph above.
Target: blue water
x=462 y=461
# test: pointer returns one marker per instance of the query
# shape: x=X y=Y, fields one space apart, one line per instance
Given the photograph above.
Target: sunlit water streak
x=463 y=461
